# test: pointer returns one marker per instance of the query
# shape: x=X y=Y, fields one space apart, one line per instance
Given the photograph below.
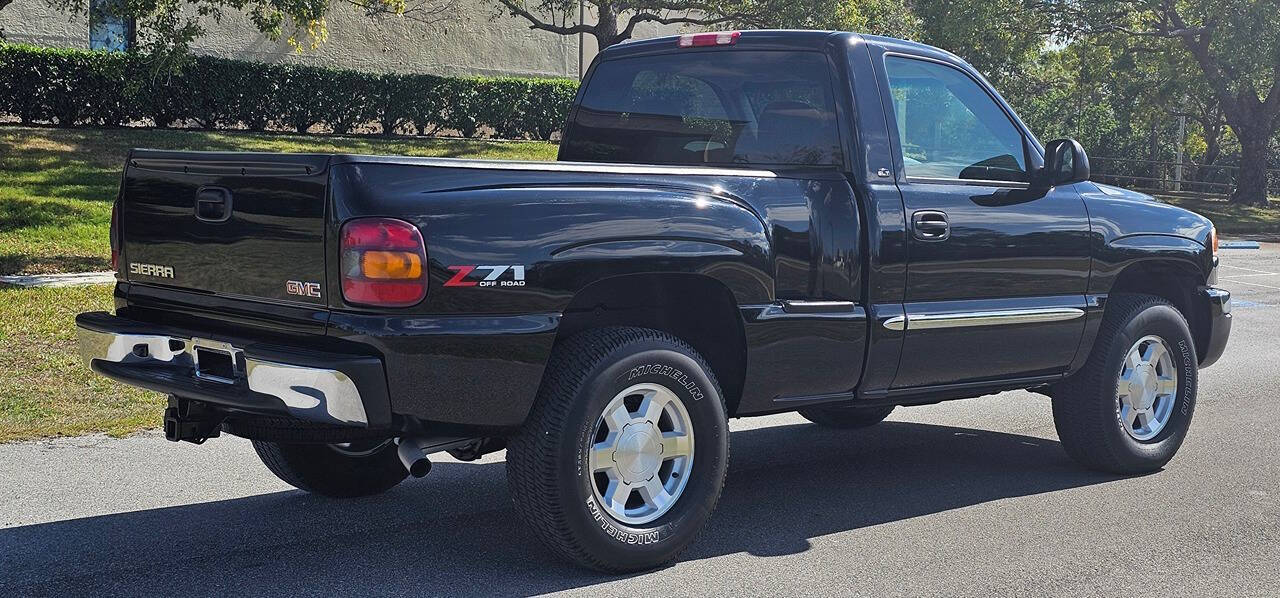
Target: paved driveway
x=971 y=498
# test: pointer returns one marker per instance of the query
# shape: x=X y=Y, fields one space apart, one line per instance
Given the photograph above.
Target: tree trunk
x=606 y=31
x=1251 y=183
x=1157 y=172
x=1212 y=144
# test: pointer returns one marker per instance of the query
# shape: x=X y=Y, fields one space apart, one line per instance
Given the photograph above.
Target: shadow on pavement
x=454 y=532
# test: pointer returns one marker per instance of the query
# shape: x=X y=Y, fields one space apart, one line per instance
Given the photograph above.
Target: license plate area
x=217 y=361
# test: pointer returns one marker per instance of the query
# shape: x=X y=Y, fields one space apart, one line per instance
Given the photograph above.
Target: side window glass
x=949 y=127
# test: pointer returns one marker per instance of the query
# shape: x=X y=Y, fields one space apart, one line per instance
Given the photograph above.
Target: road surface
x=969 y=498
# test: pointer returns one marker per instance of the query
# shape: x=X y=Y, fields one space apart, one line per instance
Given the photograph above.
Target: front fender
x=1121 y=253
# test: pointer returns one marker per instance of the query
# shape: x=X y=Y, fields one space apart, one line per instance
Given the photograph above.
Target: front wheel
x=1128 y=410
x=345 y=470
x=846 y=417
x=622 y=459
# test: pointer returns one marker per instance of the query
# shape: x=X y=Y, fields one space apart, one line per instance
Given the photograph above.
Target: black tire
x=361 y=469
x=846 y=417
x=1086 y=406
x=547 y=463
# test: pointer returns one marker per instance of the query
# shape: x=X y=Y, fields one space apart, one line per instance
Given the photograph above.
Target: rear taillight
x=114 y=236
x=384 y=263
x=718 y=38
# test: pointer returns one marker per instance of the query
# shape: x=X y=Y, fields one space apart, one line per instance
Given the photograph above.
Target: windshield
x=740 y=107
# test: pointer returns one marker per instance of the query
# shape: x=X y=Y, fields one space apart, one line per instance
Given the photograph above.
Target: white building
x=478 y=39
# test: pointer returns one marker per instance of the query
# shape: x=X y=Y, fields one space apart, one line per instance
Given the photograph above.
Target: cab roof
x=781 y=39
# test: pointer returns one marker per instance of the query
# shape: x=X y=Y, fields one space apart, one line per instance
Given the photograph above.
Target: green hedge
x=91 y=88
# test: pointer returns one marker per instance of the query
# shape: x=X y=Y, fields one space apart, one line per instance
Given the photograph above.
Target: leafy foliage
x=93 y=88
x=167 y=27
x=1223 y=58
x=616 y=20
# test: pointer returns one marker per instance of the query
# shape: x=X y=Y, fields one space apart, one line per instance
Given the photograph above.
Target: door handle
x=213 y=204
x=930 y=225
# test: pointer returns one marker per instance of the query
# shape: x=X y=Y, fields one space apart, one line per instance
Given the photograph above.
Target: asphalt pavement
x=968 y=498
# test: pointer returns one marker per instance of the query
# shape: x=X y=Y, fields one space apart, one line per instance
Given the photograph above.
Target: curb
x=74 y=279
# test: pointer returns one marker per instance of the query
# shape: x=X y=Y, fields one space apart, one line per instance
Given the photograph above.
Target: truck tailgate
x=232 y=224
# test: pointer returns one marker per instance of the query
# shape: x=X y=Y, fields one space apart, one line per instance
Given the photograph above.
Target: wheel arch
x=1174 y=281
x=696 y=308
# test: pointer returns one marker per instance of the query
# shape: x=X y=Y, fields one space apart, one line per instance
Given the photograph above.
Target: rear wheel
x=344 y=470
x=846 y=417
x=623 y=457
x=1128 y=410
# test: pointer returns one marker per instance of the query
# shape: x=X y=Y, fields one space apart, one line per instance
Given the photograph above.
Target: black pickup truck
x=740 y=223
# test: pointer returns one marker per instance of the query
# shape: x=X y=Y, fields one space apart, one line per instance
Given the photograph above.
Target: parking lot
x=968 y=498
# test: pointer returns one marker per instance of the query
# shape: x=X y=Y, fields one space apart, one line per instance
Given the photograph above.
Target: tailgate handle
x=213 y=204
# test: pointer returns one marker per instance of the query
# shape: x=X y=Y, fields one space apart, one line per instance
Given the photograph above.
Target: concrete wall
x=477 y=40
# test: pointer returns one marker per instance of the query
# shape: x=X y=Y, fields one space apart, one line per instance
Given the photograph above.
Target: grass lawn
x=56 y=185
x=1233 y=220
x=56 y=189
x=44 y=388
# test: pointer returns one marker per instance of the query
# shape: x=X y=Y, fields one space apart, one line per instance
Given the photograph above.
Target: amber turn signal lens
x=1213 y=233
x=389 y=265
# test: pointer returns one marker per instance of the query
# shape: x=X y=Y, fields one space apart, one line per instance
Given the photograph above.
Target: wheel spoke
x=1128 y=415
x=1131 y=361
x=676 y=444
x=1122 y=391
x=617 y=494
x=618 y=418
x=1168 y=386
x=652 y=405
x=1155 y=350
x=602 y=453
x=1145 y=418
x=654 y=493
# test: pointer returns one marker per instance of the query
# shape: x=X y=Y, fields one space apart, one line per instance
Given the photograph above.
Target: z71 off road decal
x=486 y=276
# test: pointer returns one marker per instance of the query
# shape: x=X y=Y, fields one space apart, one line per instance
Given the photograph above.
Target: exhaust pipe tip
x=413 y=459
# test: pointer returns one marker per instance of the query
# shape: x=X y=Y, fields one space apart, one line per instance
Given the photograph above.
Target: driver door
x=996 y=274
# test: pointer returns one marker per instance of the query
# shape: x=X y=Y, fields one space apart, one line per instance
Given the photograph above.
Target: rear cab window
x=736 y=107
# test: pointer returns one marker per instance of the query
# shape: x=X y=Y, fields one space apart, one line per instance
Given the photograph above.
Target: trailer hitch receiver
x=191 y=421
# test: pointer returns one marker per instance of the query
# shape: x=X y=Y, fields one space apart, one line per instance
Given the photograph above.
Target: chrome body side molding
x=896 y=323
x=983 y=318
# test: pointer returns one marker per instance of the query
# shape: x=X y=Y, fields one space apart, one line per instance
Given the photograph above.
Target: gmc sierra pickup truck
x=740 y=223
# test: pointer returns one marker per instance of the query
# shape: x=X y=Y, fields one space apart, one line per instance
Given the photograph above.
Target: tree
x=167 y=27
x=998 y=37
x=1235 y=45
x=616 y=20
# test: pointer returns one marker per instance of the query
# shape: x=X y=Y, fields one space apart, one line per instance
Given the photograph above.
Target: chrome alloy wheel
x=642 y=453
x=1147 y=389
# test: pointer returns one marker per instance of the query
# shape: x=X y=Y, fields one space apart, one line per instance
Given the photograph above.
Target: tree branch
x=1196 y=41
x=536 y=23
x=648 y=17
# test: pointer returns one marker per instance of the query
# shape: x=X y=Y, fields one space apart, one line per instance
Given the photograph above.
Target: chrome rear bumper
x=301 y=383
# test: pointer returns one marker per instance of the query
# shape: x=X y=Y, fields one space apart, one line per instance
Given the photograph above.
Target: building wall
x=477 y=40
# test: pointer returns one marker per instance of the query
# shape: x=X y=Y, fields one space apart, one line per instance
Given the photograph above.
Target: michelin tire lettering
x=674 y=373
x=612 y=531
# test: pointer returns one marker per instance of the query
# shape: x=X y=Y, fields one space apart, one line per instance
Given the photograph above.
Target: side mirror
x=1064 y=163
